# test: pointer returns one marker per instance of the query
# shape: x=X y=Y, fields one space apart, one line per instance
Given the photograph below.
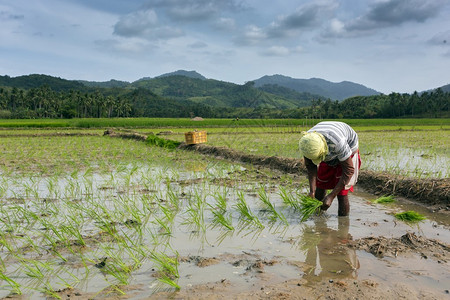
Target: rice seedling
x=52 y=187
x=12 y=284
x=167 y=268
x=165 y=228
x=30 y=188
x=309 y=206
x=114 y=263
x=274 y=215
x=195 y=213
x=246 y=214
x=410 y=216
x=74 y=231
x=384 y=199
x=219 y=211
x=221 y=199
x=220 y=218
x=33 y=268
x=288 y=198
x=174 y=200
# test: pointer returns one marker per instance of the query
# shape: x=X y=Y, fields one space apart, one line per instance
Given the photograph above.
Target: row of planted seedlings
x=95 y=231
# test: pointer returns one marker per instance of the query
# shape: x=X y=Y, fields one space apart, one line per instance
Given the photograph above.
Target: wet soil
x=265 y=286
x=404 y=245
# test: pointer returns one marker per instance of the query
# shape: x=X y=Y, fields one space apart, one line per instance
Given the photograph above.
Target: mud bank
x=408 y=243
x=433 y=192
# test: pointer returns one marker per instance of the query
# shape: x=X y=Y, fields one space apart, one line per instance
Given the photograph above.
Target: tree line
x=433 y=104
x=43 y=102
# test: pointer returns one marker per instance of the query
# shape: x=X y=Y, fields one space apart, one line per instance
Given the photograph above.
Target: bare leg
x=320 y=194
x=344 y=205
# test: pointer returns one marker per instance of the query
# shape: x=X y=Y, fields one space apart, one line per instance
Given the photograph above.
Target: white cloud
x=276 y=51
x=225 y=24
x=145 y=24
x=136 y=23
x=251 y=35
x=128 y=47
x=198 y=45
x=194 y=10
x=336 y=27
x=298 y=49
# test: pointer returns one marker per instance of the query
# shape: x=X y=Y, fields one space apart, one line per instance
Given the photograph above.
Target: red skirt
x=329 y=176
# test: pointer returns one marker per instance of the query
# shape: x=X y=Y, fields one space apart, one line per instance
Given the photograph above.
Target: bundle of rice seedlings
x=308 y=207
x=410 y=216
x=384 y=199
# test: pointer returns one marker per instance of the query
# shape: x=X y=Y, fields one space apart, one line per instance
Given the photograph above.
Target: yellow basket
x=195 y=137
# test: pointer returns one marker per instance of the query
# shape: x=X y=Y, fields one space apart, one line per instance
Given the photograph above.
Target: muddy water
x=249 y=258
x=317 y=250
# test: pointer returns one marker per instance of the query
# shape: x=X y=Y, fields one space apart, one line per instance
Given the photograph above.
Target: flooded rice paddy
x=420 y=153
x=123 y=218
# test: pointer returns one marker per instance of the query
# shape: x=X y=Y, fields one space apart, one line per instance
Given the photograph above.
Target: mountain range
x=274 y=91
x=315 y=86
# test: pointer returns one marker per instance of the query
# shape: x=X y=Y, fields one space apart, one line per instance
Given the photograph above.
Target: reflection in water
x=328 y=255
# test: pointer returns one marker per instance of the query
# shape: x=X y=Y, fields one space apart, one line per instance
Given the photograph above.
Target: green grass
x=375 y=124
x=384 y=199
x=410 y=216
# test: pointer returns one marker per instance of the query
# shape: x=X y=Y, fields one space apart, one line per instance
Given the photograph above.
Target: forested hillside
x=41 y=96
x=221 y=94
x=38 y=80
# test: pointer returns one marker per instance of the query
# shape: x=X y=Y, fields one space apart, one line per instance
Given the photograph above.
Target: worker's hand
x=327 y=202
x=312 y=195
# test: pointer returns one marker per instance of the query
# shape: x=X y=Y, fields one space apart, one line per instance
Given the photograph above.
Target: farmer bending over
x=332 y=160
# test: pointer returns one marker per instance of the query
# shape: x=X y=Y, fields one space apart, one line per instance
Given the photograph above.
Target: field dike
x=434 y=192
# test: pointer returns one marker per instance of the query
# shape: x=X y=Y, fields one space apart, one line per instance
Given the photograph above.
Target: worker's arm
x=312 y=176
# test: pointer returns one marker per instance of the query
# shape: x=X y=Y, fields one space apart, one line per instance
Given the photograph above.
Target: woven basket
x=195 y=137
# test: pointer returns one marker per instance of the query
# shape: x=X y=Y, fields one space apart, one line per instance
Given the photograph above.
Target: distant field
x=375 y=124
x=417 y=147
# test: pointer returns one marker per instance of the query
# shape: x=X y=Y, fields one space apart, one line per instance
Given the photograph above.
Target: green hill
x=37 y=80
x=190 y=74
x=105 y=84
x=221 y=94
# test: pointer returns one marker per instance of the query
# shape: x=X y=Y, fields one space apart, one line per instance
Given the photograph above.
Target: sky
x=388 y=45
